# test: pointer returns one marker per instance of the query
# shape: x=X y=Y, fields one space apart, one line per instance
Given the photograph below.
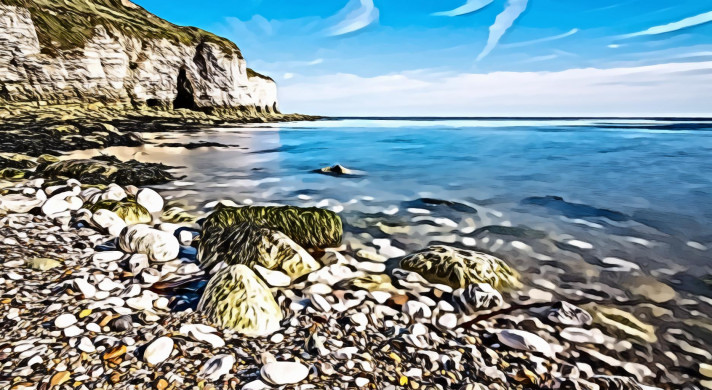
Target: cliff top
x=68 y=24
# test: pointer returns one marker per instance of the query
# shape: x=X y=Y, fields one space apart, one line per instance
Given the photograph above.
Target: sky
x=470 y=57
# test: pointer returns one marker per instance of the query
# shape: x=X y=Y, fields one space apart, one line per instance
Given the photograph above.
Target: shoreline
x=333 y=317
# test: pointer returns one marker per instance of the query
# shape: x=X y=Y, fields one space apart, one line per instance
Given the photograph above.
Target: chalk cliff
x=115 y=52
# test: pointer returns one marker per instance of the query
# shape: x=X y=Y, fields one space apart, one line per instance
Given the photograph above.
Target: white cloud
x=357 y=14
x=545 y=39
x=469 y=7
x=666 y=89
x=675 y=26
x=288 y=76
x=502 y=23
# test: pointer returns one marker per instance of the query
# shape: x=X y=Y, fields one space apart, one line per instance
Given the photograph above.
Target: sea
x=570 y=202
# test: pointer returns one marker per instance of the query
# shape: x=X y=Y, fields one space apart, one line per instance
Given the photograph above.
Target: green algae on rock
x=128 y=210
x=309 y=227
x=12 y=174
x=459 y=268
x=107 y=169
x=237 y=298
x=17 y=161
x=249 y=244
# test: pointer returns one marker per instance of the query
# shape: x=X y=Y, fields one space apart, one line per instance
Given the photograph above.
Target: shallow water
x=583 y=176
x=635 y=190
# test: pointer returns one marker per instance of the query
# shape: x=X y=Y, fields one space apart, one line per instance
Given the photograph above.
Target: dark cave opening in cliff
x=185 y=97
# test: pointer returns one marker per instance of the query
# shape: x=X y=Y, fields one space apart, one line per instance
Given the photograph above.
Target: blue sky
x=470 y=57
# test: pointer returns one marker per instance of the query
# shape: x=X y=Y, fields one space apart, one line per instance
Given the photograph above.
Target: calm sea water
x=638 y=190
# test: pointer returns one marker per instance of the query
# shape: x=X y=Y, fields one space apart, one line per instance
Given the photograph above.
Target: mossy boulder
x=128 y=210
x=12 y=174
x=459 y=268
x=237 y=298
x=107 y=169
x=309 y=227
x=17 y=161
x=249 y=245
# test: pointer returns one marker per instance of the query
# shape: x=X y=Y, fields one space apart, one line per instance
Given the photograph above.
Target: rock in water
x=251 y=245
x=284 y=373
x=130 y=211
x=476 y=297
x=337 y=170
x=236 y=298
x=459 y=268
x=149 y=199
x=309 y=227
x=157 y=245
x=525 y=341
x=565 y=313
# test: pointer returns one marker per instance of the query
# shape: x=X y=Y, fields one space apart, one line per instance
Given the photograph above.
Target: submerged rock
x=624 y=324
x=309 y=227
x=237 y=298
x=337 y=170
x=525 y=341
x=156 y=244
x=251 y=245
x=476 y=297
x=130 y=211
x=459 y=268
x=565 y=313
x=107 y=169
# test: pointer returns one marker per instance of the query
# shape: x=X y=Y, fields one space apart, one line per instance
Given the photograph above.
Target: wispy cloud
x=545 y=39
x=357 y=14
x=502 y=23
x=674 y=26
x=656 y=90
x=467 y=8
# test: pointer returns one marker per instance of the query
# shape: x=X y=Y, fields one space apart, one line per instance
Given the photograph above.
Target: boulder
x=12 y=174
x=251 y=245
x=309 y=227
x=459 y=268
x=338 y=170
x=130 y=211
x=157 y=245
x=237 y=298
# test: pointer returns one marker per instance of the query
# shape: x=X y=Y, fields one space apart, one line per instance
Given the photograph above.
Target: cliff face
x=113 y=51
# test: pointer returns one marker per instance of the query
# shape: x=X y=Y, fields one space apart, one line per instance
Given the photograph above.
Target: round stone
x=284 y=373
x=158 y=351
x=65 y=321
x=149 y=199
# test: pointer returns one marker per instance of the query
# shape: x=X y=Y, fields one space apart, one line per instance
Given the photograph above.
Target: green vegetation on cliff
x=69 y=24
